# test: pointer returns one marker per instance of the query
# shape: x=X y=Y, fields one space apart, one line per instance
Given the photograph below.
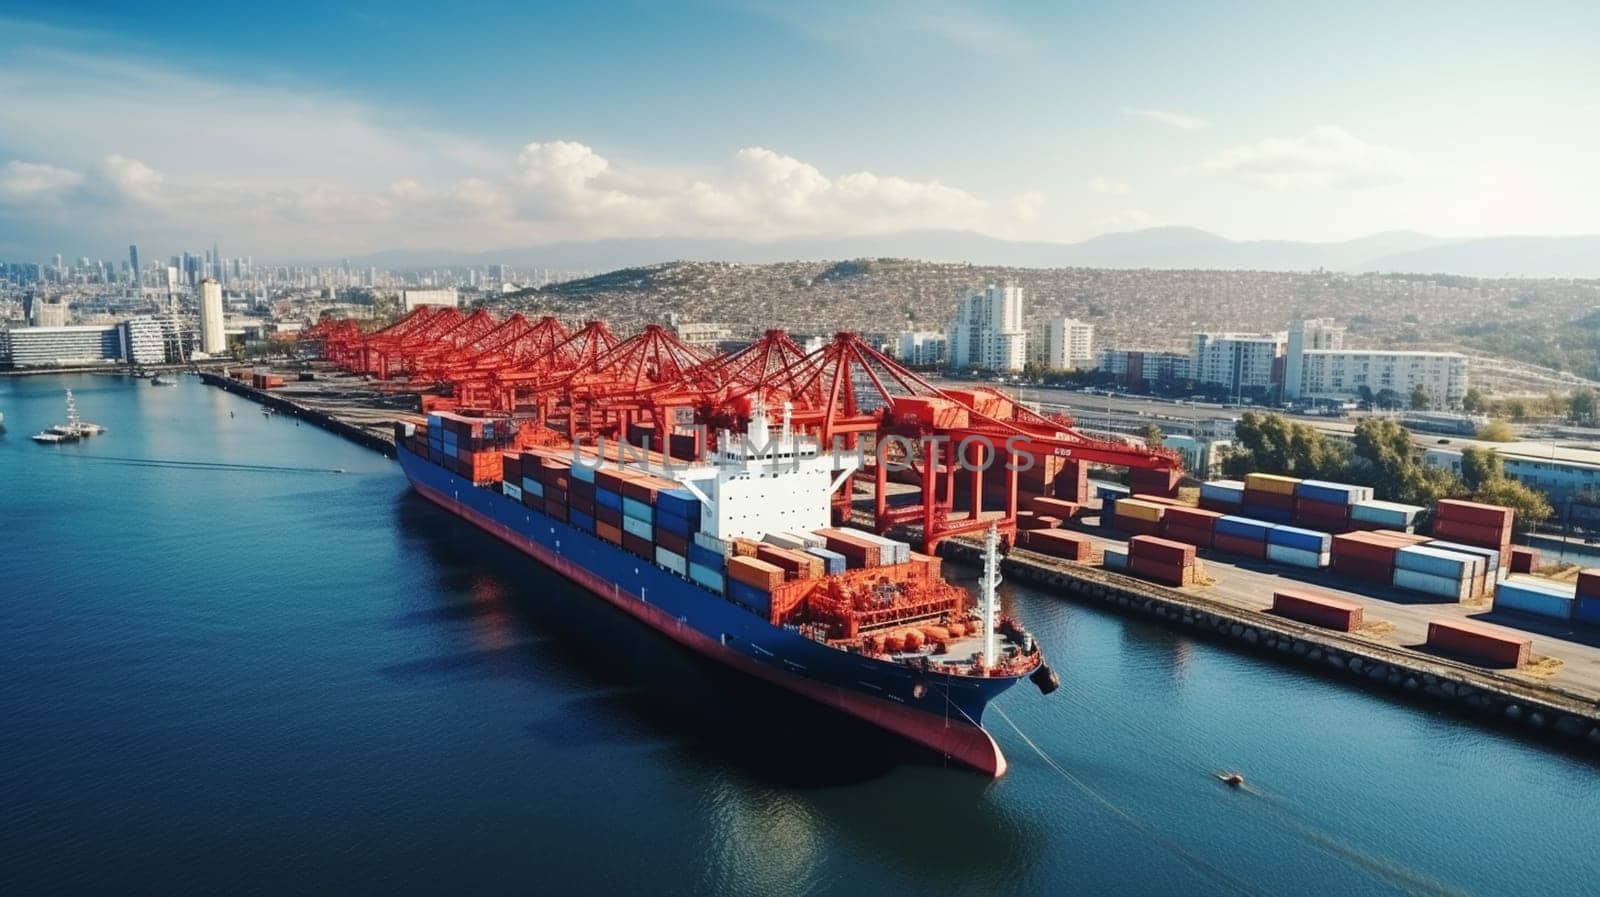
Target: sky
x=325 y=129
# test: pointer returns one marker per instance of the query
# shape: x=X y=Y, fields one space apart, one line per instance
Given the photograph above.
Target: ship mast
x=989 y=585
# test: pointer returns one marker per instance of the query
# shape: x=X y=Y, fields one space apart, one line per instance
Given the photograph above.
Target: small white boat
x=74 y=429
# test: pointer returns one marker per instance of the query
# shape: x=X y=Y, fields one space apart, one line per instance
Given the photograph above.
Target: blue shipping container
x=580 y=520
x=711 y=579
x=1387 y=514
x=674 y=524
x=833 y=563
x=640 y=528
x=749 y=595
x=680 y=502
x=533 y=487
x=1536 y=598
x=1296 y=557
x=1333 y=493
x=638 y=510
x=605 y=498
x=1230 y=491
x=1302 y=539
x=705 y=557
x=1587 y=610
x=1488 y=554
x=1115 y=559
x=1243 y=527
x=583 y=473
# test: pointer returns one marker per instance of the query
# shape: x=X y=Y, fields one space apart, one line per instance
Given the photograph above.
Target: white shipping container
x=673 y=561
x=511 y=490
x=1296 y=557
x=811 y=540
x=784 y=540
x=1428 y=584
x=712 y=543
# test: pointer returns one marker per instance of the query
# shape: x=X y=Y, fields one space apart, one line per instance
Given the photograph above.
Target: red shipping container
x=1155 y=482
x=1321 y=514
x=611 y=478
x=640 y=546
x=579 y=503
x=1221 y=507
x=755 y=572
x=1474 y=513
x=671 y=541
x=795 y=564
x=1026 y=521
x=857 y=552
x=1283 y=501
x=610 y=516
x=1165 y=574
x=1472 y=534
x=533 y=502
x=580 y=488
x=1161 y=551
x=1491 y=645
x=1367 y=545
x=1589 y=583
x=1136 y=526
x=1524 y=560
x=643 y=489
x=555 y=509
x=1239 y=545
x=1200 y=538
x=608 y=532
x=1193 y=518
x=1056 y=543
x=1061 y=509
x=1318 y=609
x=1364 y=568
x=511 y=467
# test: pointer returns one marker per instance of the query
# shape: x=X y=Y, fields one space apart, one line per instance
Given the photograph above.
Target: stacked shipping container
x=1162 y=560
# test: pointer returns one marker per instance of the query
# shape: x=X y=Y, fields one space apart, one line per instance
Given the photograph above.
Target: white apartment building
x=412 y=299
x=1068 y=345
x=1237 y=361
x=1318 y=366
x=213 y=340
x=702 y=334
x=988 y=331
x=921 y=348
x=1133 y=366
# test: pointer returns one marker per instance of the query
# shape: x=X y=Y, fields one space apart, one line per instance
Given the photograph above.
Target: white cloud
x=1108 y=187
x=1179 y=120
x=1325 y=157
x=21 y=181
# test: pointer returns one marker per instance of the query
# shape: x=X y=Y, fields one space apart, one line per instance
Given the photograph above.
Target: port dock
x=1556 y=698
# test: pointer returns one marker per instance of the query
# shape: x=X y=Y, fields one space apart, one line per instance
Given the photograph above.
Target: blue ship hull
x=937 y=710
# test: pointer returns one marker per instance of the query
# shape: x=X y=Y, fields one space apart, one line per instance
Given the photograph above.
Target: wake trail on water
x=1408 y=880
x=175 y=464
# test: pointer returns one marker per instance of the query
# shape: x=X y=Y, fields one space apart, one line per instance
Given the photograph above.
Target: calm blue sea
x=227 y=668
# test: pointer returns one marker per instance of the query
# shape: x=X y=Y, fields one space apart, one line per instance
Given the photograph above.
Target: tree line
x=1383 y=455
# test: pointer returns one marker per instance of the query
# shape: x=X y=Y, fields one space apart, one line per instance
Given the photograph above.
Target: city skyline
x=312 y=134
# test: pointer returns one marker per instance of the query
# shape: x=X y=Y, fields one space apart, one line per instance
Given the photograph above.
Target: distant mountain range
x=1161 y=247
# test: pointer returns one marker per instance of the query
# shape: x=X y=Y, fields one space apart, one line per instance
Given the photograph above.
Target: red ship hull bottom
x=960 y=741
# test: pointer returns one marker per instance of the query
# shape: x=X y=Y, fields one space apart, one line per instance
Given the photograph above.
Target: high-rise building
x=133 y=265
x=921 y=348
x=212 y=339
x=1068 y=344
x=1239 y=362
x=988 y=331
x=53 y=314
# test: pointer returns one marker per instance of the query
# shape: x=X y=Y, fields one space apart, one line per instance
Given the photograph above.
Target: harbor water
x=241 y=657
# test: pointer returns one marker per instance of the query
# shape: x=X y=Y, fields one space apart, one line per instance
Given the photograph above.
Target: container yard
x=1318 y=557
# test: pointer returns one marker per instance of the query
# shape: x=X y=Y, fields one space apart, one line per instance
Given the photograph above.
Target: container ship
x=734 y=556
